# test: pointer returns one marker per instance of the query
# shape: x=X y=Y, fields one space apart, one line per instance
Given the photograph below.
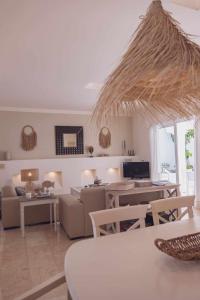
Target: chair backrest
x=114 y=215
x=172 y=205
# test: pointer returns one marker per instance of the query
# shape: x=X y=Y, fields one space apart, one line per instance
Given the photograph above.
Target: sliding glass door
x=175 y=155
x=167 y=154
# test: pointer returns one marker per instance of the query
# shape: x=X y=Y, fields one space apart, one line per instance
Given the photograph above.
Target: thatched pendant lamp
x=159 y=75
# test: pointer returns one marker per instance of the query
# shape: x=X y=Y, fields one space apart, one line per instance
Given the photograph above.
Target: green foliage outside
x=188 y=137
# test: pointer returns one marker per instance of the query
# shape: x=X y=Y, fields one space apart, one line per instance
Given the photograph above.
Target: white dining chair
x=116 y=215
x=176 y=207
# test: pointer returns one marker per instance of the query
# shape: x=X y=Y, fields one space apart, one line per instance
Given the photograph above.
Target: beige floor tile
x=27 y=262
x=59 y=293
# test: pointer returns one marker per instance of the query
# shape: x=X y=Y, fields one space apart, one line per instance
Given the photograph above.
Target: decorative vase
x=123 y=147
x=90 y=150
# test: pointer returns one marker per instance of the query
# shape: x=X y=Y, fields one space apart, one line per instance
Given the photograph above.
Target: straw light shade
x=159 y=75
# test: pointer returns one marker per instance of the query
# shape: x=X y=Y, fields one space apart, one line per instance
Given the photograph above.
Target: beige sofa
x=10 y=210
x=74 y=211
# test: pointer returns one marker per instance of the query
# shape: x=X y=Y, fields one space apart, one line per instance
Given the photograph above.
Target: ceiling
x=194 y=4
x=50 y=50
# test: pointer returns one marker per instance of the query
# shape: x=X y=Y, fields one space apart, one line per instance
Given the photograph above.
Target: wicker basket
x=186 y=247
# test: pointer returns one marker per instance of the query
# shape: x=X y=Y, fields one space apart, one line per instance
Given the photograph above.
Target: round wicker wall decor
x=28 y=138
x=105 y=138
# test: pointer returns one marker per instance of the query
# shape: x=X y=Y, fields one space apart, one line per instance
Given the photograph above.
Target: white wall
x=11 y=124
x=141 y=137
x=51 y=49
x=166 y=148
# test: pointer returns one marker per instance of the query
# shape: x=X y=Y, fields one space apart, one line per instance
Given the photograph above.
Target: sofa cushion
x=20 y=191
x=8 y=191
x=70 y=200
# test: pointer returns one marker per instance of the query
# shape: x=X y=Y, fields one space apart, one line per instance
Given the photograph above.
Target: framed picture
x=69 y=140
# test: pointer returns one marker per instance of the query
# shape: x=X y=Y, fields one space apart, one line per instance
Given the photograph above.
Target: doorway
x=175 y=158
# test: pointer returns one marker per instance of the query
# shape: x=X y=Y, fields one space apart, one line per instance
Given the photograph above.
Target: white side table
x=36 y=202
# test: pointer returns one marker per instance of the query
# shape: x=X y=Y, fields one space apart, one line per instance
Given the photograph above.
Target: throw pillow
x=8 y=191
x=20 y=190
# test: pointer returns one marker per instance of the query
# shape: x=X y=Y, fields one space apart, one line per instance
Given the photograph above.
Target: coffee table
x=37 y=202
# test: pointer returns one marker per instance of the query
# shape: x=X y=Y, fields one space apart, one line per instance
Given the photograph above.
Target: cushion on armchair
x=20 y=191
x=8 y=191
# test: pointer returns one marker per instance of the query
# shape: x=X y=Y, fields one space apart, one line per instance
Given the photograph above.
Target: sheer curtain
x=155 y=157
x=197 y=161
x=154 y=152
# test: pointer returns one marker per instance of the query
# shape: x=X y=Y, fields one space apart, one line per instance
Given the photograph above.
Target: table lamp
x=28 y=176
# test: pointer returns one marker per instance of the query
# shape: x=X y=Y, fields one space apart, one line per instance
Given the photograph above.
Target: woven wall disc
x=28 y=138
x=105 y=138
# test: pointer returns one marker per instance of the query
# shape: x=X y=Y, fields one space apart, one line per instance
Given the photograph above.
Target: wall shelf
x=67 y=172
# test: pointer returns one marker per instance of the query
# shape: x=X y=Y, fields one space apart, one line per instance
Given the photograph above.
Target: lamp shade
x=29 y=175
x=158 y=76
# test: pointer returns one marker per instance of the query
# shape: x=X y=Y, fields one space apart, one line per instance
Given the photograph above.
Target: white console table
x=112 y=196
x=36 y=202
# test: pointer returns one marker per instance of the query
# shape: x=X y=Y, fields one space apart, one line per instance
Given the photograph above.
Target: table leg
x=50 y=208
x=110 y=200
x=107 y=200
x=55 y=216
x=117 y=205
x=22 y=219
x=178 y=192
x=116 y=200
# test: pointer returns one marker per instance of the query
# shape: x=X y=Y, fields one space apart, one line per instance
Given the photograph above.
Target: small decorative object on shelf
x=28 y=138
x=90 y=149
x=123 y=147
x=48 y=187
x=97 y=181
x=28 y=196
x=131 y=152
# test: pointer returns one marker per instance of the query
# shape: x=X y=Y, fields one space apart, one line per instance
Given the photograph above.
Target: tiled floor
x=27 y=262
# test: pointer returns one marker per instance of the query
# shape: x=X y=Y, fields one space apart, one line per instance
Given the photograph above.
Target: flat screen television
x=136 y=170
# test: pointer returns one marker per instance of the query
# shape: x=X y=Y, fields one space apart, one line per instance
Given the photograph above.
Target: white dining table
x=127 y=266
